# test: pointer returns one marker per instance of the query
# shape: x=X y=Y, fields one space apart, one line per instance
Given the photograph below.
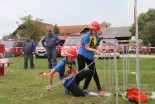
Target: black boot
x=99 y=88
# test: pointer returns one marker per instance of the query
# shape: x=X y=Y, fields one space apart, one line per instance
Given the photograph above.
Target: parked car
x=132 y=50
x=72 y=41
x=41 y=51
x=13 y=48
x=107 y=45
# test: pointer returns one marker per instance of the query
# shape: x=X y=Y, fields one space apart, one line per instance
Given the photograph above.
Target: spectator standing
x=28 y=49
x=51 y=41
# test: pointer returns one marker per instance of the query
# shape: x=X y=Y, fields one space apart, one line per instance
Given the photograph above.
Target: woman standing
x=86 y=52
x=66 y=69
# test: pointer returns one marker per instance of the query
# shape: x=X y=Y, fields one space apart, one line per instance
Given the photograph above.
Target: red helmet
x=94 y=26
x=71 y=52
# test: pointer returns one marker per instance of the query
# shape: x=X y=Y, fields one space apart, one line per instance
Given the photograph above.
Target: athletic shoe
x=86 y=91
x=99 y=89
x=66 y=91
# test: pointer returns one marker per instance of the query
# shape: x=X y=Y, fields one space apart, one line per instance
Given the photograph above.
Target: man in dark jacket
x=28 y=49
x=52 y=41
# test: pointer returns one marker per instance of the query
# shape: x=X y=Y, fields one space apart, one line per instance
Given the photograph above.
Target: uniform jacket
x=28 y=46
x=51 y=41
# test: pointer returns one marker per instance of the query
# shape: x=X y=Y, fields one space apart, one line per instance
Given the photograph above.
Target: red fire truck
x=13 y=48
x=107 y=45
x=72 y=41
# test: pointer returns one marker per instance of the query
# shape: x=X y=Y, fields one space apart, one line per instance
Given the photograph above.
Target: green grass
x=144 y=54
x=18 y=84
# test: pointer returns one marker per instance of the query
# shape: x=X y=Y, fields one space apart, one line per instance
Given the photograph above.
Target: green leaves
x=56 y=29
x=148 y=33
x=107 y=24
x=32 y=27
x=146 y=27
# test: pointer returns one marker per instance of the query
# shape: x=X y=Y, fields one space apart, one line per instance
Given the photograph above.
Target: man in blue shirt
x=52 y=41
x=28 y=49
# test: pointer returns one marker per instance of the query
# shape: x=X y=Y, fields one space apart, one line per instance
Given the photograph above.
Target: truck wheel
x=13 y=55
x=131 y=51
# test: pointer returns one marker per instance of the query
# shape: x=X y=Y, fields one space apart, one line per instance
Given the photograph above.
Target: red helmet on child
x=71 y=52
x=94 y=26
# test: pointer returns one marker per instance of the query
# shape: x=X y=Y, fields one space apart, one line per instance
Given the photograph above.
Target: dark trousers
x=51 y=55
x=81 y=65
x=30 y=56
x=74 y=86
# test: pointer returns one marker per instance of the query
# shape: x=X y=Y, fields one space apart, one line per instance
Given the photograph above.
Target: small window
x=20 y=44
x=16 y=44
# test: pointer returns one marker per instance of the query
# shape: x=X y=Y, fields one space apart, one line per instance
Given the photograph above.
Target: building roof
x=75 y=29
x=71 y=29
x=115 y=32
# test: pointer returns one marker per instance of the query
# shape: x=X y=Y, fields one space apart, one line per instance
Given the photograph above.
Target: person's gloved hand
x=98 y=53
x=63 y=81
x=48 y=87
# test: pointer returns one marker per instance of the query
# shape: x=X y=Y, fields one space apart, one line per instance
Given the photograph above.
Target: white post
x=105 y=72
x=116 y=76
x=126 y=66
x=137 y=52
x=123 y=70
x=109 y=49
x=128 y=60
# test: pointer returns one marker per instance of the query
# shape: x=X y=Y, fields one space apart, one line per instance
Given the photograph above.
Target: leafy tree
x=56 y=29
x=145 y=23
x=107 y=24
x=7 y=36
x=32 y=27
x=148 y=33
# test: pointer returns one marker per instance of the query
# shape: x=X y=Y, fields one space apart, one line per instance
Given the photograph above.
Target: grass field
x=18 y=84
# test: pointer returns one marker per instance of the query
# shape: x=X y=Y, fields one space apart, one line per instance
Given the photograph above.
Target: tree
x=148 y=33
x=145 y=23
x=7 y=36
x=56 y=29
x=107 y=24
x=32 y=27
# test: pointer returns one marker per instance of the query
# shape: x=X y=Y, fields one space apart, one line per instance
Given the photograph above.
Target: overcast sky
x=70 y=12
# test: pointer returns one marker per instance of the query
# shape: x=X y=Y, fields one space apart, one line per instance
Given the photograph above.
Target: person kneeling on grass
x=67 y=72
